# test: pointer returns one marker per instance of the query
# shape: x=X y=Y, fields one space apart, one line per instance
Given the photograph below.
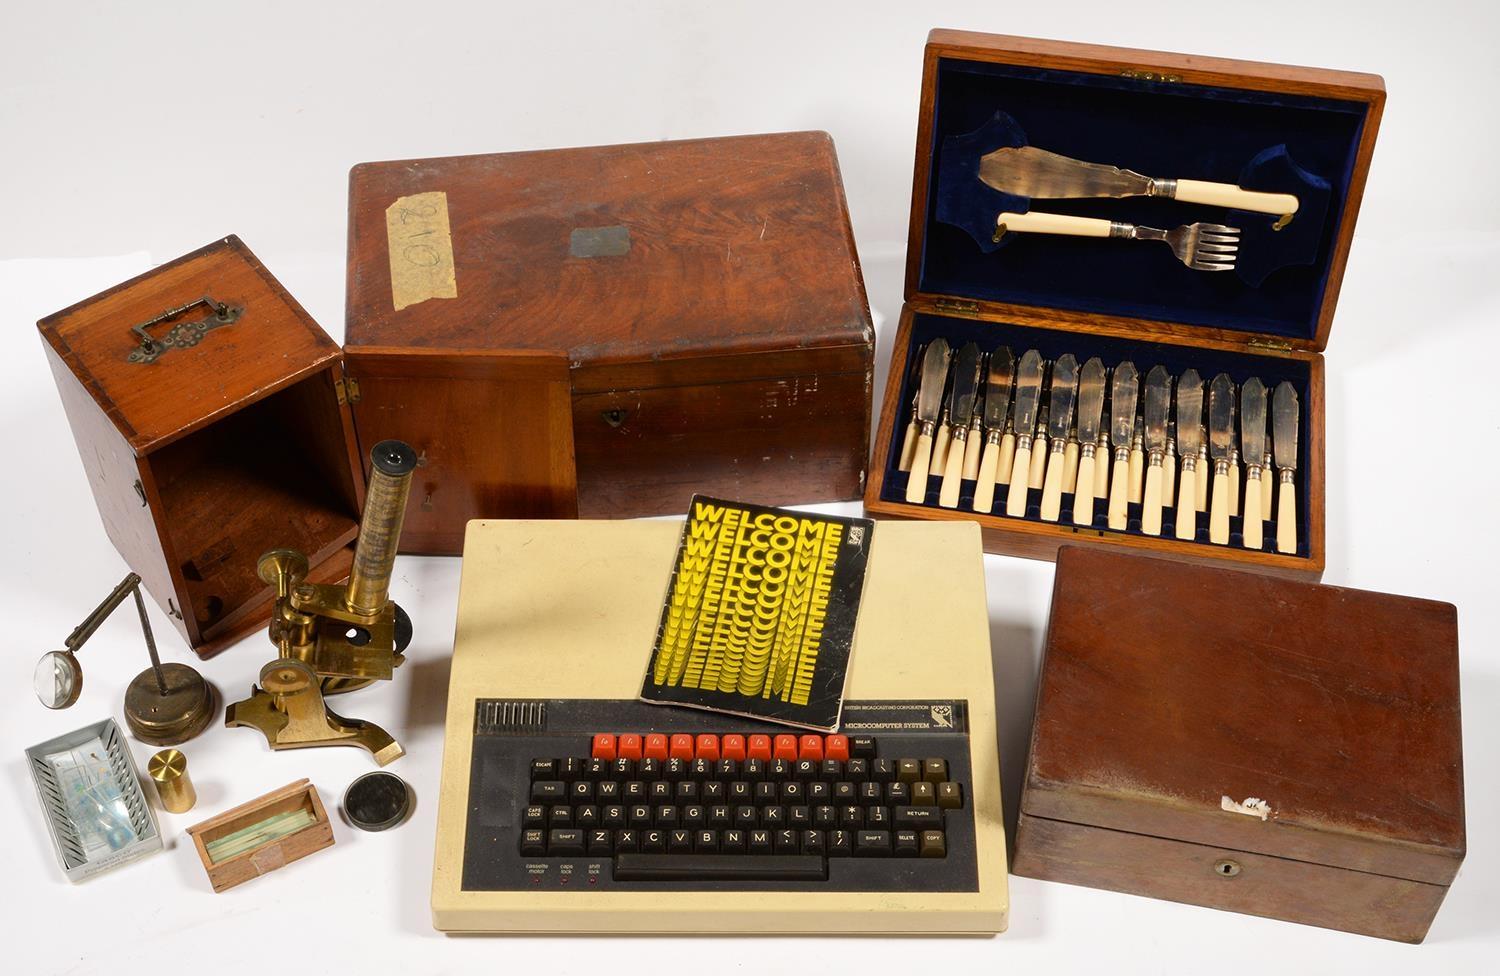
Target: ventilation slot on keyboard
x=496 y=717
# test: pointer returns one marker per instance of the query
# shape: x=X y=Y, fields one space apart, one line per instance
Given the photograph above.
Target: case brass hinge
x=346 y=389
x=1262 y=342
x=955 y=306
x=1142 y=74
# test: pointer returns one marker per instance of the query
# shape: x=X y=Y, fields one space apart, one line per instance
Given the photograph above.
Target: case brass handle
x=186 y=333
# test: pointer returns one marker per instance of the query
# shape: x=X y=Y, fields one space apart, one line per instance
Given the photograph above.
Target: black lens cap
x=377 y=801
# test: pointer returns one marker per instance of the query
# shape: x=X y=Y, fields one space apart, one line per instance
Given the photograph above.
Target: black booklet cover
x=760 y=612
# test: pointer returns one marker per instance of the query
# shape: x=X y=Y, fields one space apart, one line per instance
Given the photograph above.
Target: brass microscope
x=335 y=638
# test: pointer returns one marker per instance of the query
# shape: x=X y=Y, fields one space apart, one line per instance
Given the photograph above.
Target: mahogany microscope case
x=692 y=313
x=1264 y=126
x=1233 y=740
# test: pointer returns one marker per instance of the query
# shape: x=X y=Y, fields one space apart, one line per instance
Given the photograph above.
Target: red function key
x=656 y=747
x=682 y=747
x=708 y=747
x=810 y=747
x=733 y=747
x=836 y=747
x=760 y=747
x=628 y=746
x=785 y=748
x=604 y=746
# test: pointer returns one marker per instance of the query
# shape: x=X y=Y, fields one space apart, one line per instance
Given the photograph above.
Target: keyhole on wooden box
x=614 y=417
x=1227 y=868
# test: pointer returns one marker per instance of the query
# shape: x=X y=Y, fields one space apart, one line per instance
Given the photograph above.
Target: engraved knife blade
x=1064 y=391
x=1221 y=418
x=1028 y=393
x=1124 y=392
x=1285 y=414
x=965 y=385
x=1027 y=171
x=1090 y=400
x=934 y=379
x=997 y=388
x=1253 y=420
x=1189 y=413
x=1158 y=407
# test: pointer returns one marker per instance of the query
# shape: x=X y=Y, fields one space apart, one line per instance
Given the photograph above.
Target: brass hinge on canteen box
x=346 y=390
x=1142 y=74
x=956 y=306
x=1276 y=345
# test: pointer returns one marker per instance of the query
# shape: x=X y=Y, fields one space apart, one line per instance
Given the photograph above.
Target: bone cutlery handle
x=1286 y=516
x=1231 y=196
x=1151 y=499
x=1101 y=469
x=984 y=485
x=908 y=445
x=1083 y=497
x=953 y=472
x=1052 y=486
x=1070 y=468
x=1254 y=537
x=1119 y=494
x=940 y=442
x=916 y=482
x=1038 y=462
x=1007 y=458
x=1050 y=223
x=1137 y=467
x=1187 y=495
x=1015 y=500
x=972 y=447
x=1218 y=507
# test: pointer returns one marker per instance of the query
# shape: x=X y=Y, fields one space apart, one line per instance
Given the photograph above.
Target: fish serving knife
x=1124 y=391
x=1189 y=433
x=997 y=384
x=929 y=405
x=1285 y=415
x=1027 y=171
x=1252 y=449
x=1064 y=391
x=1023 y=419
x=1220 y=449
x=966 y=373
x=1090 y=411
x=1158 y=406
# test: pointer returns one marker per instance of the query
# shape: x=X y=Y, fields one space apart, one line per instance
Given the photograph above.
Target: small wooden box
x=263 y=858
x=1265 y=746
x=1168 y=115
x=210 y=439
x=694 y=309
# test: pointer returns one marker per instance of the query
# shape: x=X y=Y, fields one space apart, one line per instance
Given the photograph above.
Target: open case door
x=493 y=432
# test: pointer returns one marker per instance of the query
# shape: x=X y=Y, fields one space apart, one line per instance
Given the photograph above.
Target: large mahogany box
x=1263 y=126
x=210 y=412
x=1260 y=745
x=696 y=309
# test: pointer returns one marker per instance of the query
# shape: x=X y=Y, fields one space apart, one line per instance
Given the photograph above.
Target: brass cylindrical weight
x=168 y=770
x=391 y=465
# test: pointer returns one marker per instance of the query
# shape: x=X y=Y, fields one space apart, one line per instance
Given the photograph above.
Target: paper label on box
x=421 y=249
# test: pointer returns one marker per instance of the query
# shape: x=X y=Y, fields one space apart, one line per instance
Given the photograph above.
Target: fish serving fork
x=1202 y=247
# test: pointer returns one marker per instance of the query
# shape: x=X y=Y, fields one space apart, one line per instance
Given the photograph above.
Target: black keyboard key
x=687 y=792
x=732 y=841
x=607 y=792
x=600 y=841
x=851 y=817
x=805 y=770
x=793 y=792
x=720 y=867
x=812 y=843
x=628 y=839
x=586 y=817
x=674 y=770
x=786 y=841
x=639 y=815
x=923 y=795
x=570 y=769
x=759 y=842
x=727 y=769
x=694 y=815
x=534 y=816
x=882 y=770
x=906 y=843
x=831 y=770
x=844 y=792
x=560 y=816
x=840 y=843
x=635 y=792
x=857 y=770
x=597 y=769
x=614 y=817
x=581 y=791
x=919 y=818
x=719 y=816
x=935 y=771
x=679 y=841
x=653 y=841
x=533 y=842
x=872 y=843
x=862 y=746
x=706 y=841
x=908 y=770
x=871 y=793
x=799 y=817
x=544 y=769
x=701 y=769
x=825 y=817
x=666 y=816
x=659 y=791
x=712 y=792
x=950 y=796
x=563 y=842
x=754 y=770
x=819 y=793
x=898 y=794
x=878 y=818
x=766 y=793
x=773 y=816
x=548 y=791
x=778 y=770
x=933 y=844
x=648 y=769
x=745 y=817
x=622 y=769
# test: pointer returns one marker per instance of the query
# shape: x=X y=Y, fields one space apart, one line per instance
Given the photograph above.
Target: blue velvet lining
x=1052 y=343
x=1261 y=140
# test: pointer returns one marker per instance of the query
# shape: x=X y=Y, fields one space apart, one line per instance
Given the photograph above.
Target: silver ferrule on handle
x=1221 y=467
x=1154 y=459
x=1087 y=450
x=1162 y=188
x=1122 y=454
x=960 y=434
x=1284 y=475
x=993 y=435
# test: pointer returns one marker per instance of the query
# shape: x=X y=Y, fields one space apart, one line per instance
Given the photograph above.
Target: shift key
x=918 y=818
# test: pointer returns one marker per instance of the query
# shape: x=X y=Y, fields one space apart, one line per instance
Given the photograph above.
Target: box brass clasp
x=183 y=334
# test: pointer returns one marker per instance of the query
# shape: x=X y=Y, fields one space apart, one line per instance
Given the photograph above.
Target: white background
x=131 y=133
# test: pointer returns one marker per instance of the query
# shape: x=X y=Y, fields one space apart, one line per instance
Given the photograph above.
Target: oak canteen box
x=1000 y=110
x=695 y=310
x=1233 y=740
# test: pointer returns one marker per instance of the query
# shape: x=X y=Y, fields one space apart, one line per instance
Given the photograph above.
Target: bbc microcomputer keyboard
x=569 y=806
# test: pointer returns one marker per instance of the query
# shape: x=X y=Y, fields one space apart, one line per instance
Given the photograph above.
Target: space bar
x=720 y=867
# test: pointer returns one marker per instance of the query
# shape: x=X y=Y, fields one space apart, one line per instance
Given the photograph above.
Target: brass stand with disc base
x=165 y=705
x=333 y=639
